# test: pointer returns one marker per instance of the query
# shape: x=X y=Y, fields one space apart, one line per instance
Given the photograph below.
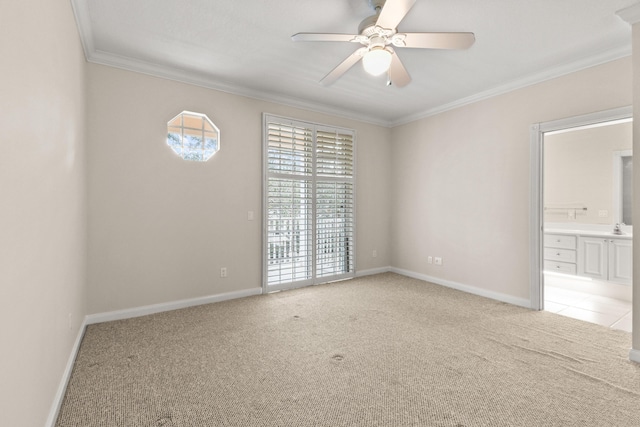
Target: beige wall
x=160 y=228
x=578 y=171
x=460 y=179
x=42 y=237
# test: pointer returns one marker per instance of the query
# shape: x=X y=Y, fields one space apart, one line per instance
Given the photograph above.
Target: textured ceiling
x=245 y=47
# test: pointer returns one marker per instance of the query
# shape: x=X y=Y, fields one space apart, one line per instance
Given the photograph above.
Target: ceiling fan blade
x=344 y=66
x=397 y=73
x=322 y=37
x=393 y=12
x=439 y=40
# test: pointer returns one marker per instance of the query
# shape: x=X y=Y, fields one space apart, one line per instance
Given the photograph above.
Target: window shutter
x=309 y=203
x=334 y=153
x=290 y=149
x=334 y=202
x=289 y=231
x=335 y=226
x=289 y=216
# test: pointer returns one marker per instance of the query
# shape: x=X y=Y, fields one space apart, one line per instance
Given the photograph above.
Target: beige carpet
x=384 y=350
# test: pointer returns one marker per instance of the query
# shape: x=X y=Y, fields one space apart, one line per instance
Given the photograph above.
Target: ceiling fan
x=378 y=34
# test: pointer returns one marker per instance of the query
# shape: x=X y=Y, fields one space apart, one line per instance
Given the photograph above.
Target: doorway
x=580 y=193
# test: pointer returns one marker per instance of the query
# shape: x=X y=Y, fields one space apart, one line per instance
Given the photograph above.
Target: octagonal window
x=193 y=136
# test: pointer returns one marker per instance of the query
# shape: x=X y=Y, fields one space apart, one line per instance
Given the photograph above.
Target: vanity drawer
x=559 y=267
x=561 y=241
x=564 y=255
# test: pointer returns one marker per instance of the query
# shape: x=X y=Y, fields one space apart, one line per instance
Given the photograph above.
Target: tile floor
x=606 y=311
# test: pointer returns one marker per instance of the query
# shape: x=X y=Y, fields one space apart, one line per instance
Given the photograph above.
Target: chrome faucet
x=617 y=229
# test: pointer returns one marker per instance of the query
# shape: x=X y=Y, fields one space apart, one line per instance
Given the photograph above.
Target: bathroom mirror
x=588 y=174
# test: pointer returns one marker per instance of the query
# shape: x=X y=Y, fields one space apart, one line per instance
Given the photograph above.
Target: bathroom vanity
x=598 y=254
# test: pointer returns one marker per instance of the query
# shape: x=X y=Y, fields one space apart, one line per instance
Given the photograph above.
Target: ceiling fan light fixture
x=377 y=61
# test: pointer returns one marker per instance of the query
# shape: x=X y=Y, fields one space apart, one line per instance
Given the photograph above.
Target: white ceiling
x=245 y=47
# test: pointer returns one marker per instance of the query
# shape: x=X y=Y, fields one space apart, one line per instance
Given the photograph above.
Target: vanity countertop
x=589 y=233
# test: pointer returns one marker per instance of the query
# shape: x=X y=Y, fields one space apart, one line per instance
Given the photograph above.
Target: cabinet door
x=592 y=257
x=620 y=261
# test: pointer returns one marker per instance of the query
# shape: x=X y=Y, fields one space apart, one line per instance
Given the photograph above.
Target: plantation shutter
x=334 y=202
x=289 y=196
x=334 y=153
x=309 y=221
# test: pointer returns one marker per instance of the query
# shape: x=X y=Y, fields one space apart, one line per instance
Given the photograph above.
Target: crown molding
x=83 y=21
x=175 y=74
x=167 y=72
x=171 y=73
x=630 y=14
x=552 y=73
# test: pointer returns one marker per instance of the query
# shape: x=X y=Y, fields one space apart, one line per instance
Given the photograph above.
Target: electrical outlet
x=223 y=272
x=375 y=253
x=603 y=213
x=429 y=259
x=438 y=260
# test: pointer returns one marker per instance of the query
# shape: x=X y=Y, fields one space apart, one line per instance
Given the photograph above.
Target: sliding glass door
x=309 y=218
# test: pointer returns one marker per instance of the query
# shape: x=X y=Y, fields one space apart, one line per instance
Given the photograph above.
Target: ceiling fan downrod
x=376 y=5
x=367 y=26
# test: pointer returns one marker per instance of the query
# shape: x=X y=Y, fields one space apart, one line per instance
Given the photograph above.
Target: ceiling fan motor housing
x=367 y=26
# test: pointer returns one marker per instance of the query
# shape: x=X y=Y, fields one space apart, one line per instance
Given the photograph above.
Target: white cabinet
x=605 y=259
x=560 y=253
x=592 y=255
x=620 y=261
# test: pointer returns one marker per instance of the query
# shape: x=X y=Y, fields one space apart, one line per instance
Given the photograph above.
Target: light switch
x=250 y=215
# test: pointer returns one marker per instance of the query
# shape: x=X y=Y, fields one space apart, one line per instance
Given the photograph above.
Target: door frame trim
x=536 y=192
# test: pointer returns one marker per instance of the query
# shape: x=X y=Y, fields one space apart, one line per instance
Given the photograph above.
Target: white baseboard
x=66 y=375
x=126 y=314
x=372 y=271
x=522 y=302
x=634 y=355
x=168 y=306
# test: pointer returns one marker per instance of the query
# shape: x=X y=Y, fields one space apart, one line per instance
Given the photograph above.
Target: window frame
x=203 y=130
x=314 y=179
